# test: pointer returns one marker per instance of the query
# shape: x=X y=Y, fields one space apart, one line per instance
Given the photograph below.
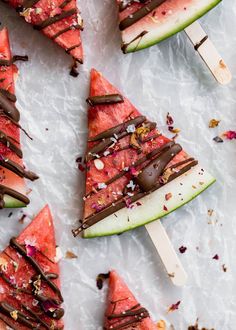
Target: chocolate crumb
x=218 y=139
x=100 y=280
x=216 y=257
x=10 y=214
x=224 y=268
x=182 y=249
x=22 y=219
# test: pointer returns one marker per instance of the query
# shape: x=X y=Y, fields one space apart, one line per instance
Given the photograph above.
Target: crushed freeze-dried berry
x=182 y=249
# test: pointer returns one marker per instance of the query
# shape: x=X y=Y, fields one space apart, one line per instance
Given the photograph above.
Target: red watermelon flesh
x=39 y=241
x=121 y=300
x=65 y=31
x=8 y=75
x=101 y=118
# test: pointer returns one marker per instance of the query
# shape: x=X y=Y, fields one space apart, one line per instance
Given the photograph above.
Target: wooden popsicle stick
x=204 y=46
x=167 y=253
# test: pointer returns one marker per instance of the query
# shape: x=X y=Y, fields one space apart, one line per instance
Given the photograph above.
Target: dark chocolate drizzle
x=20 y=249
x=68 y=50
x=107 y=142
x=22 y=318
x=13 y=193
x=117 y=129
x=29 y=3
x=105 y=99
x=8 y=142
x=9 y=108
x=200 y=43
x=51 y=20
x=135 y=314
x=139 y=36
x=73 y=27
x=148 y=177
x=13 y=60
x=142 y=12
x=17 y=169
x=11 y=97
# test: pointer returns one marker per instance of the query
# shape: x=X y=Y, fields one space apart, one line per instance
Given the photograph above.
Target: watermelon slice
x=59 y=20
x=144 y=23
x=12 y=171
x=123 y=310
x=134 y=175
x=30 y=297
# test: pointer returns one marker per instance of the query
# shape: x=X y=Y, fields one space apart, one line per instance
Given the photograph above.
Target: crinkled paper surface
x=168 y=77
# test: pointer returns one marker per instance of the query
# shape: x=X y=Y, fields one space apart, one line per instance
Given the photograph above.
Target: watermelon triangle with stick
x=12 y=170
x=144 y=23
x=134 y=174
x=30 y=296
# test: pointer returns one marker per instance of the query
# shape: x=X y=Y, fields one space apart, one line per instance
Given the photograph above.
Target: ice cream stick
x=208 y=53
x=167 y=253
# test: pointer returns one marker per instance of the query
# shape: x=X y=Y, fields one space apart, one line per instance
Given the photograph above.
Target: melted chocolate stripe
x=36 y=317
x=7 y=141
x=120 y=203
x=22 y=251
x=78 y=27
x=118 y=129
x=13 y=193
x=139 y=36
x=128 y=313
x=17 y=169
x=68 y=50
x=7 y=94
x=51 y=20
x=9 y=108
x=135 y=17
x=29 y=3
x=106 y=143
x=64 y=3
x=13 y=60
x=200 y=43
x=148 y=177
x=105 y=99
x=15 y=123
x=6 y=321
x=7 y=309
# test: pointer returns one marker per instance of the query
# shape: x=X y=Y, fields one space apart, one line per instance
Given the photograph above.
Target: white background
x=168 y=77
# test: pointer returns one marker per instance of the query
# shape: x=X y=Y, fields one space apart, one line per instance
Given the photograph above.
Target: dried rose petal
x=81 y=167
x=230 y=135
x=97 y=207
x=213 y=123
x=169 y=119
x=168 y=196
x=174 y=307
x=49 y=306
x=216 y=257
x=165 y=208
x=30 y=250
x=182 y=249
x=128 y=203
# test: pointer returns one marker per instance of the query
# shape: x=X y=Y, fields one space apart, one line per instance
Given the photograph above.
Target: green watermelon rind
x=145 y=42
x=93 y=232
x=11 y=202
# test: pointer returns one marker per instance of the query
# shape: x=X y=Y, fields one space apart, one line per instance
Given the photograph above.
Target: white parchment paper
x=168 y=77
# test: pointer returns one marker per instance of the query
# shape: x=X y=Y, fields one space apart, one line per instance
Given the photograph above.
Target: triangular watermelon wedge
x=12 y=170
x=134 y=174
x=147 y=22
x=30 y=297
x=59 y=20
x=123 y=310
